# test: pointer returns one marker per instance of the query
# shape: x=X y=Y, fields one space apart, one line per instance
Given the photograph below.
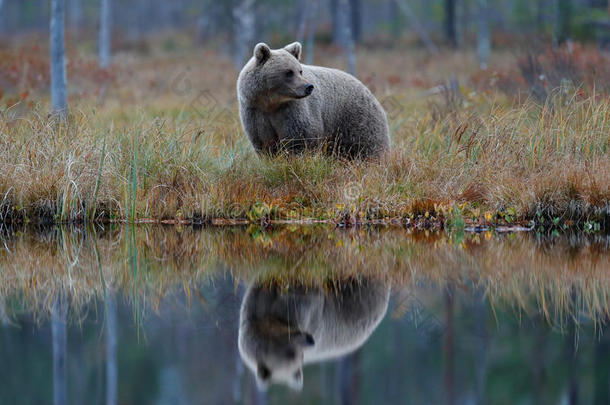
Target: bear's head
x=277 y=357
x=274 y=77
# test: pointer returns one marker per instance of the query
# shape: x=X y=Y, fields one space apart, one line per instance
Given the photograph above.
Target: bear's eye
x=301 y=72
x=289 y=73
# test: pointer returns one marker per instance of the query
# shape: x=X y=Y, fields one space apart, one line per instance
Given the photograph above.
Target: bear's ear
x=263 y=376
x=295 y=49
x=262 y=52
x=296 y=382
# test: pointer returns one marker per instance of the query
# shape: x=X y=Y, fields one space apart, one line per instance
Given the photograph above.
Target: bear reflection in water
x=282 y=329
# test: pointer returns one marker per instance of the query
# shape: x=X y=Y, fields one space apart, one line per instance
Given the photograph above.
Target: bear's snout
x=303 y=90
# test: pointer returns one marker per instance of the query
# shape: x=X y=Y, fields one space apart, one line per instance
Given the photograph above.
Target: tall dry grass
x=159 y=139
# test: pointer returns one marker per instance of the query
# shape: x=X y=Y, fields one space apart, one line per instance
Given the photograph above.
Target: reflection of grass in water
x=133 y=256
x=558 y=278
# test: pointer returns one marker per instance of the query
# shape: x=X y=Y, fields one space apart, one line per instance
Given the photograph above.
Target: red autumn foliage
x=543 y=71
x=25 y=69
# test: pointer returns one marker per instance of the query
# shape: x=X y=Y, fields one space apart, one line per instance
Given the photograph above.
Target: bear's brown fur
x=288 y=106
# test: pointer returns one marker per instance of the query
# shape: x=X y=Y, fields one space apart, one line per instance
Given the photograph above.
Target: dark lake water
x=303 y=315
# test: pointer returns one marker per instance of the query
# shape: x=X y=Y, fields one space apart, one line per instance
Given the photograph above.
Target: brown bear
x=288 y=106
x=280 y=329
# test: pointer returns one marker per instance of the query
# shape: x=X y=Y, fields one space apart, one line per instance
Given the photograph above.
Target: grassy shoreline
x=152 y=151
x=549 y=172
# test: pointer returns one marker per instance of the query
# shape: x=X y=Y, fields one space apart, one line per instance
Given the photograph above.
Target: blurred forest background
x=110 y=26
x=141 y=28
x=455 y=23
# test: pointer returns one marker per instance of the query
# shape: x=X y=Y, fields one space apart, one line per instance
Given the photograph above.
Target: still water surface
x=314 y=315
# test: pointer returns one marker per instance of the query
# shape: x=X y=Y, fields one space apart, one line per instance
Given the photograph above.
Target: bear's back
x=349 y=317
x=352 y=117
x=340 y=321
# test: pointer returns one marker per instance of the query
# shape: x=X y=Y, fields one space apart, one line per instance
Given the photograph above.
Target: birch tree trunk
x=58 y=332
x=540 y=16
x=393 y=18
x=59 y=103
x=76 y=14
x=356 y=19
x=601 y=365
x=346 y=25
x=335 y=15
x=348 y=379
x=480 y=363
x=563 y=21
x=449 y=347
x=112 y=373
x=105 y=33
x=243 y=14
x=302 y=12
x=311 y=36
x=421 y=32
x=450 y=25
x=483 y=35
x=1 y=16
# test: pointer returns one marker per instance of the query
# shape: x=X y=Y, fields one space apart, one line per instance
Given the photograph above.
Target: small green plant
x=592 y=227
x=261 y=212
x=509 y=215
x=455 y=219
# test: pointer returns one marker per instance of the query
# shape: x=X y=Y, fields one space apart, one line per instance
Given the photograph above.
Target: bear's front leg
x=259 y=130
x=295 y=132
